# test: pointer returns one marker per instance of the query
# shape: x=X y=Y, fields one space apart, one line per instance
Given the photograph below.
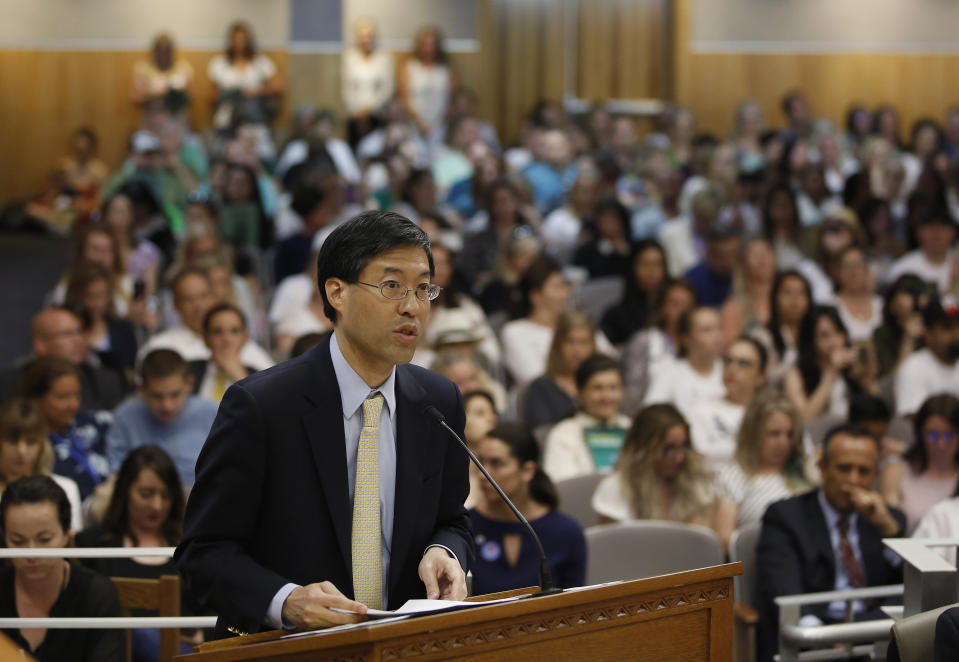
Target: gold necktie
x=366 y=546
x=219 y=386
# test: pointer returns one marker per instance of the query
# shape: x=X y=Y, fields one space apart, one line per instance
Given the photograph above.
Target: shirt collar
x=353 y=390
x=832 y=515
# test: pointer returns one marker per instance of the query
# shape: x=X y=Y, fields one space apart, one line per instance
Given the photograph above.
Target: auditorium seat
x=576 y=497
x=646 y=548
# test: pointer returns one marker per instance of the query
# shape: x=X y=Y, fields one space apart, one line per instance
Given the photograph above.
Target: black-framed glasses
x=397 y=291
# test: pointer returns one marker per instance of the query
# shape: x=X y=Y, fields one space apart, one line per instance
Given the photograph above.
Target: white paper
x=415 y=607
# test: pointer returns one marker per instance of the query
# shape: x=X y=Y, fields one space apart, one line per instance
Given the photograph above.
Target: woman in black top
x=146 y=510
x=645 y=285
x=553 y=396
x=34 y=512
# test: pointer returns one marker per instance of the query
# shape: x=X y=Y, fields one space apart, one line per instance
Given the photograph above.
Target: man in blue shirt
x=164 y=414
x=283 y=527
x=712 y=278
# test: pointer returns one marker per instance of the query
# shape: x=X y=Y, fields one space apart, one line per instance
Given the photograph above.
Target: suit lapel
x=870 y=547
x=411 y=435
x=819 y=534
x=324 y=432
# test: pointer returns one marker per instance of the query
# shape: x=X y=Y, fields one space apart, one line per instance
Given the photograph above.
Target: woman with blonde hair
x=554 y=396
x=769 y=464
x=25 y=450
x=658 y=475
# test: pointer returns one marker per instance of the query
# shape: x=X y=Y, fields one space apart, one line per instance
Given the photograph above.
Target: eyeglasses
x=397 y=291
x=673 y=451
x=940 y=437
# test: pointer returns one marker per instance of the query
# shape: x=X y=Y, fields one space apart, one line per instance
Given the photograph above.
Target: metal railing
x=929 y=581
x=105 y=622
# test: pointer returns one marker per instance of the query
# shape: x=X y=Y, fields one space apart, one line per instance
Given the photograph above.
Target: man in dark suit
x=271 y=529
x=828 y=539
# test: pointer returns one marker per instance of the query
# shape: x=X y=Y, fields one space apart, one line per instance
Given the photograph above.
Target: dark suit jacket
x=795 y=555
x=946 y=647
x=271 y=502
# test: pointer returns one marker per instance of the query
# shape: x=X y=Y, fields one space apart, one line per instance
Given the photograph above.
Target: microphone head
x=434 y=413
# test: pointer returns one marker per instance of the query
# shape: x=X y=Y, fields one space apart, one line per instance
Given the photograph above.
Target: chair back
x=647 y=548
x=576 y=498
x=742 y=547
x=594 y=296
x=161 y=595
x=915 y=636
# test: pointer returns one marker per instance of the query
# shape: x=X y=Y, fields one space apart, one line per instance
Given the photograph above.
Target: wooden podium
x=683 y=616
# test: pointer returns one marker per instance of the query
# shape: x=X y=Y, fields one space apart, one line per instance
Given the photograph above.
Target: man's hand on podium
x=442 y=575
x=309 y=607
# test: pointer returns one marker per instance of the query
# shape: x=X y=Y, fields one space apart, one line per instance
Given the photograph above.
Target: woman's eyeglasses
x=940 y=437
x=674 y=450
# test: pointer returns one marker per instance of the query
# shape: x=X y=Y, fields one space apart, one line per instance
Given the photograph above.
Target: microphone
x=545 y=576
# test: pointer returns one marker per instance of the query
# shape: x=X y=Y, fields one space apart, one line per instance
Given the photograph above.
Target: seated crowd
x=759 y=328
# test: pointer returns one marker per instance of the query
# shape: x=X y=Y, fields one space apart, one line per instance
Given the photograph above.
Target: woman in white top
x=828 y=372
x=789 y=301
x=589 y=440
x=715 y=423
x=656 y=346
x=244 y=82
x=698 y=373
x=658 y=475
x=929 y=471
x=856 y=300
x=99 y=244
x=25 y=450
x=427 y=82
x=368 y=79
x=769 y=464
x=526 y=341
x=942 y=521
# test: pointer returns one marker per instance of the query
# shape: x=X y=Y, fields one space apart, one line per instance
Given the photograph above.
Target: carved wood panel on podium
x=684 y=616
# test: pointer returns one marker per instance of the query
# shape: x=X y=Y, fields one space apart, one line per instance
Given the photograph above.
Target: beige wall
x=712 y=76
x=824 y=26
x=131 y=24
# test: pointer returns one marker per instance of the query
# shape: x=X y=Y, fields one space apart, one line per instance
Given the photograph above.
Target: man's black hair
x=865 y=408
x=306 y=197
x=854 y=430
x=351 y=246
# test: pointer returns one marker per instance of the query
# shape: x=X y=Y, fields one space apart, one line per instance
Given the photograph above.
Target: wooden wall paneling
x=315 y=79
x=47 y=94
x=641 y=57
x=918 y=85
x=598 y=46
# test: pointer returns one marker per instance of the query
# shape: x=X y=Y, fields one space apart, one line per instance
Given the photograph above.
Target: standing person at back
x=427 y=84
x=164 y=414
x=322 y=484
x=368 y=81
